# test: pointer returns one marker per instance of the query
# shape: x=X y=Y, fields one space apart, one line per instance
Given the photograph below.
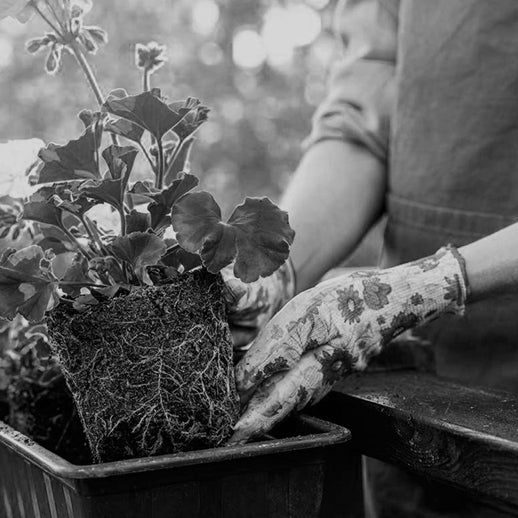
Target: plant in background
x=137 y=318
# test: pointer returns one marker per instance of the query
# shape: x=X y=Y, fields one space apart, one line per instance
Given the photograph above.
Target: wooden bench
x=464 y=437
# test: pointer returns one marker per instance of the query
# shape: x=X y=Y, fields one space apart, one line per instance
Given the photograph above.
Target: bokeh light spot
x=210 y=54
x=248 y=49
x=6 y=52
x=317 y=4
x=205 y=16
x=305 y=24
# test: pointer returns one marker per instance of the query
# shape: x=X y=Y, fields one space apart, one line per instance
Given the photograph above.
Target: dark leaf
x=103 y=294
x=138 y=221
x=107 y=270
x=43 y=212
x=82 y=302
x=27 y=285
x=120 y=162
x=147 y=110
x=160 y=274
x=77 y=272
x=193 y=120
x=144 y=188
x=78 y=206
x=139 y=249
x=105 y=191
x=257 y=234
x=125 y=129
x=57 y=245
x=179 y=258
x=4 y=256
x=88 y=117
x=163 y=201
x=141 y=192
x=264 y=237
x=76 y=160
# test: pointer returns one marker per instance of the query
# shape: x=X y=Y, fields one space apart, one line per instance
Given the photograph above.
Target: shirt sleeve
x=361 y=90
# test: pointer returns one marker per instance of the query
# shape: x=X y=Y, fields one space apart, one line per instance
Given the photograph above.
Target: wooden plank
x=463 y=436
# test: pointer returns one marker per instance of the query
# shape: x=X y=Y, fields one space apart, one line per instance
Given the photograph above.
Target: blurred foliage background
x=260 y=65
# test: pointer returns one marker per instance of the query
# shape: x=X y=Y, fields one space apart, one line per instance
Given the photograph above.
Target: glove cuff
x=432 y=286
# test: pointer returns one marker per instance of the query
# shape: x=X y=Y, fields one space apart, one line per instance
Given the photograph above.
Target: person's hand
x=334 y=328
x=250 y=306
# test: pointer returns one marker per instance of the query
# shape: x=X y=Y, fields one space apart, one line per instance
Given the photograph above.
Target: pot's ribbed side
x=151 y=372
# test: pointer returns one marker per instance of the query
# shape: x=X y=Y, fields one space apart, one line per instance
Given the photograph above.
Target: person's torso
x=454 y=163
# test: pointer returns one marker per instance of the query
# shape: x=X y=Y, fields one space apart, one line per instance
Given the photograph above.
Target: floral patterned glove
x=334 y=328
x=251 y=305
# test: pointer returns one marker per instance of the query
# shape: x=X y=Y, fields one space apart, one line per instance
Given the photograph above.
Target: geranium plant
x=139 y=309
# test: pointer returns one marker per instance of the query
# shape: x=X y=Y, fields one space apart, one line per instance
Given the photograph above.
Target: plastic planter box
x=302 y=476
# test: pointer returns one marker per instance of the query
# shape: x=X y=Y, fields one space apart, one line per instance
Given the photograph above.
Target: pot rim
x=325 y=434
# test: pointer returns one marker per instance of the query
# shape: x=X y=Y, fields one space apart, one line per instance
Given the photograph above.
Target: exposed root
x=151 y=372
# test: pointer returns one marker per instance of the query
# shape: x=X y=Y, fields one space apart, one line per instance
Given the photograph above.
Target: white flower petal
x=16 y=156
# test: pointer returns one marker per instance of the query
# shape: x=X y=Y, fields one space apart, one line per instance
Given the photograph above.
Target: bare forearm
x=334 y=197
x=492 y=263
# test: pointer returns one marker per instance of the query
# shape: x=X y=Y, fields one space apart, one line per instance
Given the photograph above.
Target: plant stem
x=176 y=152
x=56 y=17
x=161 y=158
x=123 y=222
x=146 y=154
x=47 y=20
x=70 y=283
x=90 y=76
x=87 y=69
x=86 y=223
x=146 y=80
x=80 y=247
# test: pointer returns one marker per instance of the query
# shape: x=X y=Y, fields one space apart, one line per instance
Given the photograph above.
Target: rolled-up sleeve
x=361 y=91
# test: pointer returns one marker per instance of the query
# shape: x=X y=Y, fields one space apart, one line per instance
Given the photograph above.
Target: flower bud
x=53 y=61
x=150 y=57
x=34 y=45
x=100 y=36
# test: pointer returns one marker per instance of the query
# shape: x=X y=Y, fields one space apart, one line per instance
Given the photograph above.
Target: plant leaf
x=76 y=160
x=139 y=249
x=264 y=237
x=195 y=218
x=178 y=257
x=257 y=234
x=125 y=129
x=140 y=192
x=108 y=270
x=105 y=191
x=120 y=161
x=77 y=272
x=138 y=221
x=77 y=206
x=163 y=201
x=144 y=188
x=43 y=212
x=147 y=110
x=27 y=285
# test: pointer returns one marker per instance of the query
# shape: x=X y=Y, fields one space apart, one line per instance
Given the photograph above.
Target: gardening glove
x=251 y=305
x=335 y=328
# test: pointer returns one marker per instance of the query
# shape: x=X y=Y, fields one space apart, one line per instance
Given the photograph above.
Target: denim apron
x=454 y=179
